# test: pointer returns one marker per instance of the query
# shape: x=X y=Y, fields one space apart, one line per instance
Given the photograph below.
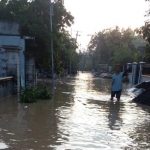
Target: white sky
x=95 y=15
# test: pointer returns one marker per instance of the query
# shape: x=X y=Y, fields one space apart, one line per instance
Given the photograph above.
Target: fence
x=146 y=69
x=137 y=75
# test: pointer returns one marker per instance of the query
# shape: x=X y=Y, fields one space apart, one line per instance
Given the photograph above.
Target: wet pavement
x=80 y=117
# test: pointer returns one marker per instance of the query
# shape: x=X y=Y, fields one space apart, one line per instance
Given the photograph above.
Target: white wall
x=22 y=63
x=145 y=78
x=130 y=77
x=10 y=40
x=16 y=41
x=13 y=65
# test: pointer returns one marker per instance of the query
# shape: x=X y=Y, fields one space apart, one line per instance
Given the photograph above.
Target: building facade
x=13 y=58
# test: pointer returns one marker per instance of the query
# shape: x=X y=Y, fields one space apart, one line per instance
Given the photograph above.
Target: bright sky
x=95 y=15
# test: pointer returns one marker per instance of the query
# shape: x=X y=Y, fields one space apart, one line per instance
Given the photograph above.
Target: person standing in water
x=117 y=78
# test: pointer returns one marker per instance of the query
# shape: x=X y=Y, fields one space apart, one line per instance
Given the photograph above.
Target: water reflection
x=80 y=117
x=114 y=118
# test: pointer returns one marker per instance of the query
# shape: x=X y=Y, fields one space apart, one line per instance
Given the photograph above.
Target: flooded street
x=80 y=117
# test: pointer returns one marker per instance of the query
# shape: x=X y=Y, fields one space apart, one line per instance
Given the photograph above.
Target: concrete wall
x=14 y=45
x=143 y=78
x=30 y=73
x=9 y=28
x=13 y=57
x=6 y=86
x=13 y=65
x=130 y=77
x=22 y=63
x=2 y=62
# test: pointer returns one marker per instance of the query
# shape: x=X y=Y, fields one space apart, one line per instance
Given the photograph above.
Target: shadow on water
x=113 y=116
x=80 y=117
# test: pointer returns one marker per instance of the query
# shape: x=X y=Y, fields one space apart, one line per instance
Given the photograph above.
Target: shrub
x=44 y=94
x=30 y=95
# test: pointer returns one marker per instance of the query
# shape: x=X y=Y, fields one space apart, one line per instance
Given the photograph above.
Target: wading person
x=117 y=79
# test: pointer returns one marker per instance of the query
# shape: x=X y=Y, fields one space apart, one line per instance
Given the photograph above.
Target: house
x=16 y=67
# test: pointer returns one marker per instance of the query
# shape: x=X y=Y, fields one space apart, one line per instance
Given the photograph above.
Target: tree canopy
x=145 y=32
x=33 y=17
x=112 y=46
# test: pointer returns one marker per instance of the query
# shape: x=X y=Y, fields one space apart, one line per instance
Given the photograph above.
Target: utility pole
x=77 y=34
x=51 y=29
x=70 y=51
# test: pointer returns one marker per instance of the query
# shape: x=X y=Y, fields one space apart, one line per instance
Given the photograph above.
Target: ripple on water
x=80 y=117
x=3 y=145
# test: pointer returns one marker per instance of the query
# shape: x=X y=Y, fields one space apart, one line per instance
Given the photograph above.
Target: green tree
x=33 y=17
x=145 y=32
x=146 y=56
x=112 y=46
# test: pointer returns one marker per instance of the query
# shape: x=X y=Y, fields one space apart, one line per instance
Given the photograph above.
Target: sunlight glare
x=95 y=15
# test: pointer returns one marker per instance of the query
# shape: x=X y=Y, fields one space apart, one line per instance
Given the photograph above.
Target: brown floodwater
x=80 y=117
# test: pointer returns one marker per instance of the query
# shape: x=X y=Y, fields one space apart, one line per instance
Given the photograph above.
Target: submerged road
x=80 y=117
